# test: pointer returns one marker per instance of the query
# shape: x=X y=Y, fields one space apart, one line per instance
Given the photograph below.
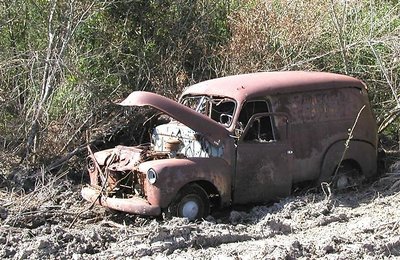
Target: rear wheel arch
x=360 y=155
x=350 y=163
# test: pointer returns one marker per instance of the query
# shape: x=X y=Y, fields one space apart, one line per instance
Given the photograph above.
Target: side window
x=251 y=108
x=261 y=129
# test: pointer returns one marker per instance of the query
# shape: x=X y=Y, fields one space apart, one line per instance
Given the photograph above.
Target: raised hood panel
x=212 y=130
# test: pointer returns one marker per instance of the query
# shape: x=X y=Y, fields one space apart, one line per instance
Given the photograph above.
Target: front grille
x=123 y=184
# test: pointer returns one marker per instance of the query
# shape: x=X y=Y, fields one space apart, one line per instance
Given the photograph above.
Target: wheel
x=191 y=202
x=347 y=176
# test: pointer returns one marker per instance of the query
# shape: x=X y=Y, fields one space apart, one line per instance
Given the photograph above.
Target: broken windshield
x=219 y=109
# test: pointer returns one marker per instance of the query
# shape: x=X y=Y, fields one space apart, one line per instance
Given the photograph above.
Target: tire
x=191 y=202
x=347 y=176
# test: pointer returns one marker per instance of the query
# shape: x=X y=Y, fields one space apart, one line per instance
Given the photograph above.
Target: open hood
x=210 y=129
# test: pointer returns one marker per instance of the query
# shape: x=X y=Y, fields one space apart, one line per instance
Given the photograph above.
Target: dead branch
x=389 y=118
x=60 y=162
x=385 y=74
x=47 y=87
x=103 y=187
x=348 y=47
x=340 y=31
x=58 y=42
x=76 y=132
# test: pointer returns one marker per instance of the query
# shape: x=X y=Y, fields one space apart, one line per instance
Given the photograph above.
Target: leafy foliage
x=63 y=62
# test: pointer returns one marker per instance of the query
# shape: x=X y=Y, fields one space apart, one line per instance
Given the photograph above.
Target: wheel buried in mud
x=347 y=176
x=191 y=202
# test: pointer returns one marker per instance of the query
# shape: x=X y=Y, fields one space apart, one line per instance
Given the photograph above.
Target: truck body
x=238 y=140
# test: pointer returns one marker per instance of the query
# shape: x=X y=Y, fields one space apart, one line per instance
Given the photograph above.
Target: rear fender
x=362 y=152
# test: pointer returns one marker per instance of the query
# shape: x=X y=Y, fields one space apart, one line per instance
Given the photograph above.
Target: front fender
x=173 y=174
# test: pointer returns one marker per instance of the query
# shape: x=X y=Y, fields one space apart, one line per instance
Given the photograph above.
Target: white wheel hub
x=190 y=210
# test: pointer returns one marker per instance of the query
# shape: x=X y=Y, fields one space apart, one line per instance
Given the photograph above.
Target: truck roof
x=246 y=86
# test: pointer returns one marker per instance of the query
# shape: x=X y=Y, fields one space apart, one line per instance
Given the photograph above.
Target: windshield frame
x=216 y=100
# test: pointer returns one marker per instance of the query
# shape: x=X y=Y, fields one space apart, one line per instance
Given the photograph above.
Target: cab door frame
x=263 y=169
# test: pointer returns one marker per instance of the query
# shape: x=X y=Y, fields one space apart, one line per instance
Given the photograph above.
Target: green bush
x=102 y=51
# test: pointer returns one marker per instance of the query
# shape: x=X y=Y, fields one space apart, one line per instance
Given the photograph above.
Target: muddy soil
x=45 y=217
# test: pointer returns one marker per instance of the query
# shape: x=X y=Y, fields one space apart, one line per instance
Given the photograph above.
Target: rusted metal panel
x=319 y=119
x=263 y=172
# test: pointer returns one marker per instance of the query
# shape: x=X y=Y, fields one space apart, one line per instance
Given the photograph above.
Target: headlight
x=152 y=175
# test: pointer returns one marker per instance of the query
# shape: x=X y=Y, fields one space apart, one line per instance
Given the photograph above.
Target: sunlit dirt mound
x=52 y=221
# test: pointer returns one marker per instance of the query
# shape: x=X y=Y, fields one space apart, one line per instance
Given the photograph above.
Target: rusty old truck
x=242 y=139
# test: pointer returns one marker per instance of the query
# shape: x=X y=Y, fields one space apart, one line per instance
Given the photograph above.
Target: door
x=263 y=160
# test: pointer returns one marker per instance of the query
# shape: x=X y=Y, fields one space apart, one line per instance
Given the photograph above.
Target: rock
x=43 y=244
x=329 y=249
x=3 y=213
x=9 y=252
x=211 y=219
x=235 y=217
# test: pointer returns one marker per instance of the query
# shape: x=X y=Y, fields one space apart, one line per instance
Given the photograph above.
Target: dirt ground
x=45 y=217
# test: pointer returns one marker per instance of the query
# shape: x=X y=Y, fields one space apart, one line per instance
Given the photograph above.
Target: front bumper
x=133 y=205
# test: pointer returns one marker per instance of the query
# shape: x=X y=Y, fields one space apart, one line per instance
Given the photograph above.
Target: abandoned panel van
x=238 y=140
